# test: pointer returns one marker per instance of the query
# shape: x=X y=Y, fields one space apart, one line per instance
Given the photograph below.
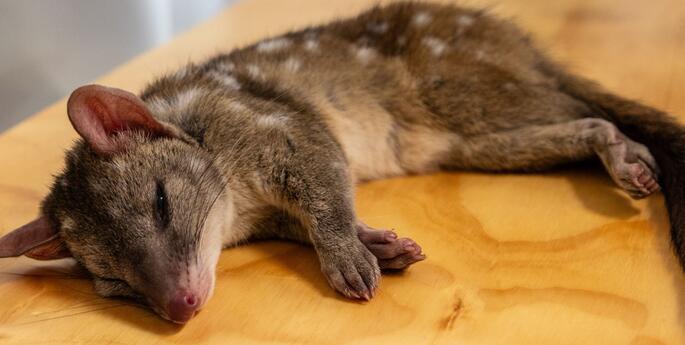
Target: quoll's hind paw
x=391 y=252
x=639 y=180
x=632 y=167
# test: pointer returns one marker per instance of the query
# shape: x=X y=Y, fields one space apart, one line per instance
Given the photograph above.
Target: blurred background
x=45 y=52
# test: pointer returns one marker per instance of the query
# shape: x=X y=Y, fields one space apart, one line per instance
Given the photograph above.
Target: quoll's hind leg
x=391 y=252
x=629 y=164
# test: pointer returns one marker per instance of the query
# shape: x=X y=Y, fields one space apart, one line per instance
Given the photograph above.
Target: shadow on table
x=597 y=192
x=600 y=194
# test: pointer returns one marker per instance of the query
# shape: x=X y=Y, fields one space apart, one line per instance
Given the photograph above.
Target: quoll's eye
x=162 y=205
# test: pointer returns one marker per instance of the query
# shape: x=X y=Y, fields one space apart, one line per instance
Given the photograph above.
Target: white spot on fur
x=365 y=54
x=421 y=19
x=465 y=20
x=311 y=44
x=509 y=86
x=186 y=98
x=480 y=55
x=436 y=45
x=226 y=80
x=254 y=71
x=196 y=163
x=376 y=27
x=277 y=120
x=157 y=105
x=67 y=223
x=273 y=44
x=118 y=166
x=163 y=108
x=226 y=67
x=238 y=107
x=292 y=64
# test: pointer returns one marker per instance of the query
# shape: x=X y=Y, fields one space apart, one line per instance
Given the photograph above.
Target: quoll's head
x=139 y=204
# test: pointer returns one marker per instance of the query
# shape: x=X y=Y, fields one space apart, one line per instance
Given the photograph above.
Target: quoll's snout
x=182 y=301
x=183 y=306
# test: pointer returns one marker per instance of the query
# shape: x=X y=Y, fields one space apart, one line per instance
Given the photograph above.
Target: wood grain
x=558 y=258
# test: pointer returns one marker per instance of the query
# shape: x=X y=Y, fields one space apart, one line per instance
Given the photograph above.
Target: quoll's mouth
x=183 y=321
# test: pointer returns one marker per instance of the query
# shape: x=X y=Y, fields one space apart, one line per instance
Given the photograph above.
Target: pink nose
x=183 y=307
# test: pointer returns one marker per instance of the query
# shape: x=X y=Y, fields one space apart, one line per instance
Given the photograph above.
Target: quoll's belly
x=366 y=135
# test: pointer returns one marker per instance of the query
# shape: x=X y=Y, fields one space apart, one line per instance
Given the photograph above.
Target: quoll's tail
x=660 y=132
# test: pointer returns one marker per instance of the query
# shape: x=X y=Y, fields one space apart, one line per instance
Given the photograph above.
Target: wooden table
x=558 y=258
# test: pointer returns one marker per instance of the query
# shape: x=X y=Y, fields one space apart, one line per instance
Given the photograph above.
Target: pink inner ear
x=51 y=250
x=37 y=239
x=98 y=113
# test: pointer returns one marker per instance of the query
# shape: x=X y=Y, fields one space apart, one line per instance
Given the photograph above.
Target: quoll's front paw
x=351 y=269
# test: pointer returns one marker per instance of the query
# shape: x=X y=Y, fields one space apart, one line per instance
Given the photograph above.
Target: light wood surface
x=558 y=258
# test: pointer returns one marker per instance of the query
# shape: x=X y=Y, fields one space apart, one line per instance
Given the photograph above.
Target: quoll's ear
x=38 y=240
x=98 y=113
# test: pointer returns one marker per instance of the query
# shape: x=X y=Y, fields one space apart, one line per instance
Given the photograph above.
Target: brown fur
x=285 y=127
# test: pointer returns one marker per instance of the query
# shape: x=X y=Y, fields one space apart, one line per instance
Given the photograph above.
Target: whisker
x=201 y=221
x=79 y=306
x=48 y=276
x=70 y=315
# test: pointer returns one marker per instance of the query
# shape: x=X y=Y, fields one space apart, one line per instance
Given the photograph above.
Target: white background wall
x=49 y=47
